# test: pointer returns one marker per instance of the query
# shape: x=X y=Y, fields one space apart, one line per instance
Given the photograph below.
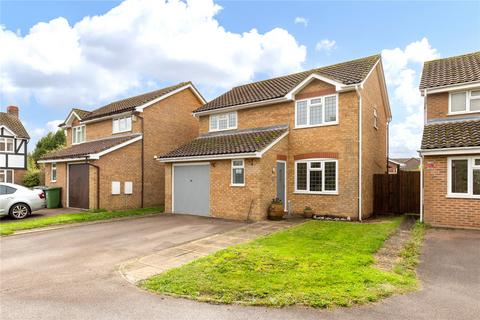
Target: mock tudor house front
x=109 y=158
x=13 y=147
x=313 y=138
x=451 y=142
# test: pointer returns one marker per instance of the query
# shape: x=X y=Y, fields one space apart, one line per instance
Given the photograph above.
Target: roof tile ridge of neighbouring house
x=14 y=124
x=441 y=121
x=469 y=54
x=118 y=136
x=242 y=131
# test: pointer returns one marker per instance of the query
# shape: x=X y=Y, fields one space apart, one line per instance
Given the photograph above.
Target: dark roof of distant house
x=14 y=124
x=347 y=73
x=87 y=148
x=408 y=164
x=129 y=104
x=230 y=142
x=451 y=134
x=451 y=71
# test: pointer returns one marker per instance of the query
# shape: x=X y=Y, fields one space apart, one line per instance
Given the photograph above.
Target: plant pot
x=308 y=214
x=275 y=212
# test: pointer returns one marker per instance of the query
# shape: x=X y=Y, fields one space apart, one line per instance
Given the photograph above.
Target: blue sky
x=84 y=62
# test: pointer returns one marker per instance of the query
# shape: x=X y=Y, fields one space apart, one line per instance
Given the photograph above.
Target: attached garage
x=191 y=189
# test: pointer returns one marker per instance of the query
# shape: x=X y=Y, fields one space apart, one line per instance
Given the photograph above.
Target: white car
x=18 y=201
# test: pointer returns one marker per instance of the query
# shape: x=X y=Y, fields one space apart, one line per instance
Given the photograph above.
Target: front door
x=281 y=183
x=78 y=186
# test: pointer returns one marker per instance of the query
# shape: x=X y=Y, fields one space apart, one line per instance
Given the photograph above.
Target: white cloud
x=325 y=45
x=53 y=125
x=139 y=42
x=301 y=20
x=402 y=72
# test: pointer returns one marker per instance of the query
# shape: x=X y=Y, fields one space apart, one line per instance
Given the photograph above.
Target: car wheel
x=19 y=211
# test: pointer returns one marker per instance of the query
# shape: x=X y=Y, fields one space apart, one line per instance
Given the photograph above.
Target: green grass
x=10 y=227
x=411 y=252
x=319 y=264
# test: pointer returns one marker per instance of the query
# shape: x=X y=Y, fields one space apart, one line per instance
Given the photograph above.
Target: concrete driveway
x=72 y=274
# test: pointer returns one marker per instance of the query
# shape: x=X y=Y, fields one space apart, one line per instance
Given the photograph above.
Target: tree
x=52 y=141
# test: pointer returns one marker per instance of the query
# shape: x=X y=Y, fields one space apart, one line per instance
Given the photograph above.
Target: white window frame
x=471 y=166
x=74 y=134
x=5 y=175
x=4 y=143
x=375 y=118
x=468 y=99
x=213 y=118
x=233 y=167
x=323 y=161
x=53 y=168
x=128 y=128
x=323 y=124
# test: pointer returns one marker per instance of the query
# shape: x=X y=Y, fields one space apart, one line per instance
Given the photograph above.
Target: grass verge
x=10 y=227
x=319 y=264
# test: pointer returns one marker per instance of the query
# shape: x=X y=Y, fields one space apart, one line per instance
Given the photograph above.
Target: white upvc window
x=318 y=111
x=78 y=134
x=317 y=176
x=375 y=118
x=53 y=172
x=6 y=176
x=223 y=121
x=464 y=102
x=463 y=177
x=238 y=173
x=122 y=124
x=7 y=145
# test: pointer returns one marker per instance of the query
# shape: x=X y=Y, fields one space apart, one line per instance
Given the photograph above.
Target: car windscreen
x=7 y=190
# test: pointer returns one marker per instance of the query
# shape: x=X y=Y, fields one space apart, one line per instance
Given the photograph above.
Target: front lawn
x=11 y=227
x=319 y=264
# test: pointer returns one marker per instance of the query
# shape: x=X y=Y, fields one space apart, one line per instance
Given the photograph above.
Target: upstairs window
x=223 y=121
x=78 y=134
x=318 y=111
x=464 y=177
x=464 y=102
x=316 y=176
x=122 y=124
x=6 y=144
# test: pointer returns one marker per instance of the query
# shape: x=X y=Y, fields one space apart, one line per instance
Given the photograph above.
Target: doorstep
x=145 y=267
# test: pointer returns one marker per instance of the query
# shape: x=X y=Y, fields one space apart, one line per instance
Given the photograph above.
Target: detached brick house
x=451 y=141
x=109 y=158
x=13 y=147
x=313 y=138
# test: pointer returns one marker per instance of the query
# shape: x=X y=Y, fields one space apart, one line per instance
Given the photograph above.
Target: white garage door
x=191 y=189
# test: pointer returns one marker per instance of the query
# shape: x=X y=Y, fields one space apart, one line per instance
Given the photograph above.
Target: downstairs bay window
x=316 y=176
x=464 y=177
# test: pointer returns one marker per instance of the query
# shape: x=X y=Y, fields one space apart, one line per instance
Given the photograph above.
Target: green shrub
x=31 y=179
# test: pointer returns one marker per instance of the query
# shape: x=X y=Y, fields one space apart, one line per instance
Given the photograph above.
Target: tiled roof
x=14 y=124
x=350 y=72
x=232 y=142
x=453 y=134
x=129 y=104
x=449 y=71
x=84 y=149
x=81 y=113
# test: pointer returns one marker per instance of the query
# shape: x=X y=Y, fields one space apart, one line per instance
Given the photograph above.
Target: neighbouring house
x=13 y=147
x=451 y=142
x=109 y=160
x=313 y=138
x=403 y=164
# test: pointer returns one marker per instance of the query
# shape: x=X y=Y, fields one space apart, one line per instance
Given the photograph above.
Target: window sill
x=317 y=125
x=237 y=185
x=53 y=180
x=317 y=193
x=117 y=132
x=462 y=196
x=462 y=112
x=220 y=130
x=77 y=143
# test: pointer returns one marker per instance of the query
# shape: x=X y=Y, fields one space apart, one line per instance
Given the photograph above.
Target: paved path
x=72 y=274
x=144 y=267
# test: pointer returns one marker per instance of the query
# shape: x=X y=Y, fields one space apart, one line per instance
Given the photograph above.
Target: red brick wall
x=440 y=210
x=437 y=106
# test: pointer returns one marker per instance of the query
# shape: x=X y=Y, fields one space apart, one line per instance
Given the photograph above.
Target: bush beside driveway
x=319 y=264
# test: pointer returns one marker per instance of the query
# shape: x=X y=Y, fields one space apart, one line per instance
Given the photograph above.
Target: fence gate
x=397 y=193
